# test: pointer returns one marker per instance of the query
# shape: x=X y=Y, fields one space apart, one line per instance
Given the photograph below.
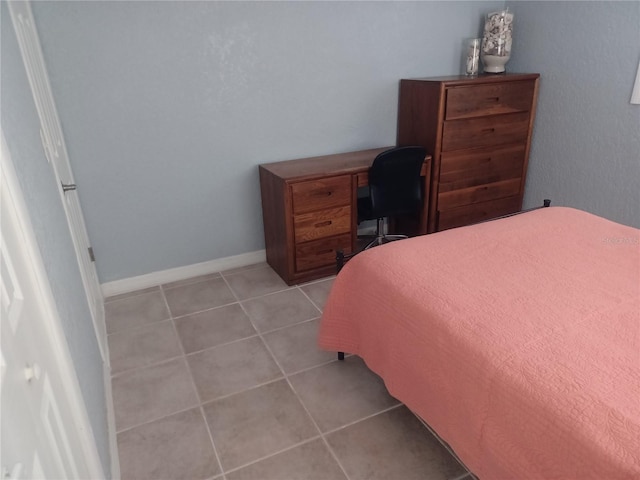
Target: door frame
x=56 y=153
x=11 y=193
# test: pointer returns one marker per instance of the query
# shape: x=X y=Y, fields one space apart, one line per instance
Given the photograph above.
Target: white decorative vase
x=496 y=41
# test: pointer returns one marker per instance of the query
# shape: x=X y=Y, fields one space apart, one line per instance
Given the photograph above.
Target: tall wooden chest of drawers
x=478 y=131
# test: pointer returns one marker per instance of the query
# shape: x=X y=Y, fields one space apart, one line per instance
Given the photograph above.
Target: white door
x=45 y=432
x=56 y=151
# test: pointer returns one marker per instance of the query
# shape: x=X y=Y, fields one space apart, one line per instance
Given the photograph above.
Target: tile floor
x=219 y=377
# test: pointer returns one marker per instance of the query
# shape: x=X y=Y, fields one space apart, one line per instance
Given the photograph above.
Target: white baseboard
x=132 y=284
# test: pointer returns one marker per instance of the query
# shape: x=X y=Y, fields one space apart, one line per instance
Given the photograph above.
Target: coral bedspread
x=517 y=340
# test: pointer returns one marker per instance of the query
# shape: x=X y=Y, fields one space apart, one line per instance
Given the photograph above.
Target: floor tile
x=213 y=327
x=187 y=281
x=142 y=346
x=280 y=309
x=253 y=266
x=255 y=282
x=231 y=368
x=170 y=448
x=341 y=392
x=149 y=393
x=256 y=423
x=393 y=444
x=319 y=291
x=135 y=311
x=311 y=461
x=296 y=347
x=199 y=296
x=120 y=296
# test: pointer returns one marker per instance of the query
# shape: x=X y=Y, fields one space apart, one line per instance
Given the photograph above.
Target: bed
x=517 y=341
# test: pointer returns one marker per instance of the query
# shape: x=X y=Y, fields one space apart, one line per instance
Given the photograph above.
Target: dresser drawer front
x=478 y=193
x=495 y=99
x=467 y=168
x=321 y=253
x=485 y=131
x=321 y=194
x=325 y=223
x=457 y=217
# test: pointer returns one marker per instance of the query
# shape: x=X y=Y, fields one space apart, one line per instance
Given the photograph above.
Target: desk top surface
x=325 y=165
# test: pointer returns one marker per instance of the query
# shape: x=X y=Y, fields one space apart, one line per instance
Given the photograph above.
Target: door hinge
x=91 y=255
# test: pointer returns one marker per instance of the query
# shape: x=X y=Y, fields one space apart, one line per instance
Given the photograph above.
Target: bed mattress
x=517 y=340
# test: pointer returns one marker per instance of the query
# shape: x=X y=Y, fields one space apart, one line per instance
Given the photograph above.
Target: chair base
x=382 y=239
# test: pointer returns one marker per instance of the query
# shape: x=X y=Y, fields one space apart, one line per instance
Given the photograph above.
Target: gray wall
x=586 y=145
x=168 y=107
x=21 y=127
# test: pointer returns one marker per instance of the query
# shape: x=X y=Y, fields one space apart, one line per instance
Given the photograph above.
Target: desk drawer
x=325 y=223
x=466 y=168
x=493 y=99
x=320 y=194
x=321 y=253
x=478 y=193
x=469 y=214
x=485 y=131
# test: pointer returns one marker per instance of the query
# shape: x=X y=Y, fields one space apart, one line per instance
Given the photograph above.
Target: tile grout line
x=127 y=295
x=286 y=449
x=142 y=367
x=368 y=417
x=155 y=419
x=462 y=477
x=198 y=312
x=286 y=377
x=231 y=342
x=191 y=280
x=195 y=388
x=295 y=392
x=253 y=387
x=309 y=298
x=200 y=405
x=441 y=442
x=224 y=277
x=195 y=352
x=278 y=329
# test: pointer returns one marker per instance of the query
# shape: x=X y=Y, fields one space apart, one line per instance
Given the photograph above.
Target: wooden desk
x=309 y=210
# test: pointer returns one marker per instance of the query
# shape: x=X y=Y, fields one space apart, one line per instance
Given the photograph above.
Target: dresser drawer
x=325 y=223
x=485 y=131
x=479 y=193
x=466 y=168
x=321 y=253
x=457 y=217
x=321 y=194
x=490 y=99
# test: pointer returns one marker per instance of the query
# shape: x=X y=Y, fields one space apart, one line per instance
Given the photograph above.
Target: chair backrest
x=395 y=186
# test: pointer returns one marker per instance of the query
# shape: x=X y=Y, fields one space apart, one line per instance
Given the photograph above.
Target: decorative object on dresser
x=496 y=41
x=478 y=131
x=309 y=210
x=472 y=56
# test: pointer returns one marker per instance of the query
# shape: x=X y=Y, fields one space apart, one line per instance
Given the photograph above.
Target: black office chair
x=395 y=188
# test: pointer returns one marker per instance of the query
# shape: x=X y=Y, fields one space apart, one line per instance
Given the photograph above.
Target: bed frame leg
x=340 y=355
